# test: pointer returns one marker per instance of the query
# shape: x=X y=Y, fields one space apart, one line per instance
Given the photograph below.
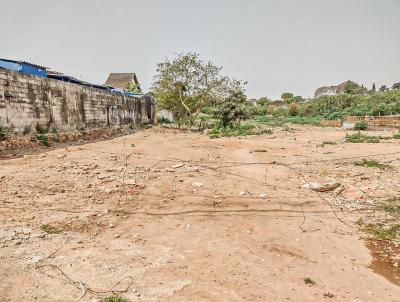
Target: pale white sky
x=277 y=46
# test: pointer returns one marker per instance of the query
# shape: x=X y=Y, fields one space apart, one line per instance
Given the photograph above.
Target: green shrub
x=361 y=125
x=44 y=139
x=396 y=135
x=361 y=138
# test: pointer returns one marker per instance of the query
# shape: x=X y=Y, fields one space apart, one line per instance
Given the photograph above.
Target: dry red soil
x=163 y=215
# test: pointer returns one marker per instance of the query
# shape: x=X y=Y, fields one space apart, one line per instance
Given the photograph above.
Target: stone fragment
x=321 y=184
x=177 y=166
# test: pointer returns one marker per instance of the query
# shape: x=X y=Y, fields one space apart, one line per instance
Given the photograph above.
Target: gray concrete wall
x=26 y=101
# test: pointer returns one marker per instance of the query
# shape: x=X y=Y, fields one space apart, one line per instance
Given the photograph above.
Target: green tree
x=396 y=86
x=186 y=85
x=264 y=101
x=383 y=88
x=287 y=95
x=354 y=88
x=373 y=87
x=232 y=108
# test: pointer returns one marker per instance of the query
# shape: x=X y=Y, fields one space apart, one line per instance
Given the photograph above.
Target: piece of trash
x=196 y=184
x=177 y=166
x=242 y=193
x=263 y=195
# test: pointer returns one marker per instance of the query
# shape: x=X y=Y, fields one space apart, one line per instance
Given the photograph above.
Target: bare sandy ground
x=163 y=215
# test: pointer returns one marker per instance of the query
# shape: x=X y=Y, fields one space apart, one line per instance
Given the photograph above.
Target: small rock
x=263 y=195
x=242 y=193
x=111 y=226
x=116 y=236
x=196 y=184
x=321 y=185
x=130 y=182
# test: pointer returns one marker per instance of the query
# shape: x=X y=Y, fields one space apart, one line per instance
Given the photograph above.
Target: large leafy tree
x=186 y=84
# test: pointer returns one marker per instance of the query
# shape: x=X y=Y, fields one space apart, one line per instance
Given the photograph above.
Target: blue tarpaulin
x=24 y=67
x=10 y=65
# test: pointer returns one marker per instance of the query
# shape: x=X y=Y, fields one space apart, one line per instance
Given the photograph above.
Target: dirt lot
x=163 y=215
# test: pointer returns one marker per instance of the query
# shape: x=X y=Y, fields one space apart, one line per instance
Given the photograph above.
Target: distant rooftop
x=121 y=80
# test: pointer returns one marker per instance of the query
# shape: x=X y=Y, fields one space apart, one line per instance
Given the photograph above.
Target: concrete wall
x=26 y=101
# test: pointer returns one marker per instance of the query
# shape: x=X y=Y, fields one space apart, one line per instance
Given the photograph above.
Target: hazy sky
x=277 y=46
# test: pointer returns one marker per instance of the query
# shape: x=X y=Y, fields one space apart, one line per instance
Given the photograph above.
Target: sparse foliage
x=133 y=87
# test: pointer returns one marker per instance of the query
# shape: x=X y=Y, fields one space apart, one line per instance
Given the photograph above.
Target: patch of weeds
x=323 y=144
x=392 y=208
x=396 y=135
x=372 y=164
x=329 y=295
x=50 y=229
x=361 y=138
x=361 y=125
x=309 y=281
x=242 y=130
x=40 y=129
x=381 y=231
x=43 y=139
x=114 y=299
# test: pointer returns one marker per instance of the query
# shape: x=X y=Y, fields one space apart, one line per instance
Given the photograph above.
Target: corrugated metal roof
x=24 y=62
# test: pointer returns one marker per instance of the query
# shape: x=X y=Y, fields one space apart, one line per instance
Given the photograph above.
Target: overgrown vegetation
x=372 y=164
x=396 y=135
x=238 y=130
x=361 y=138
x=192 y=90
x=380 y=230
